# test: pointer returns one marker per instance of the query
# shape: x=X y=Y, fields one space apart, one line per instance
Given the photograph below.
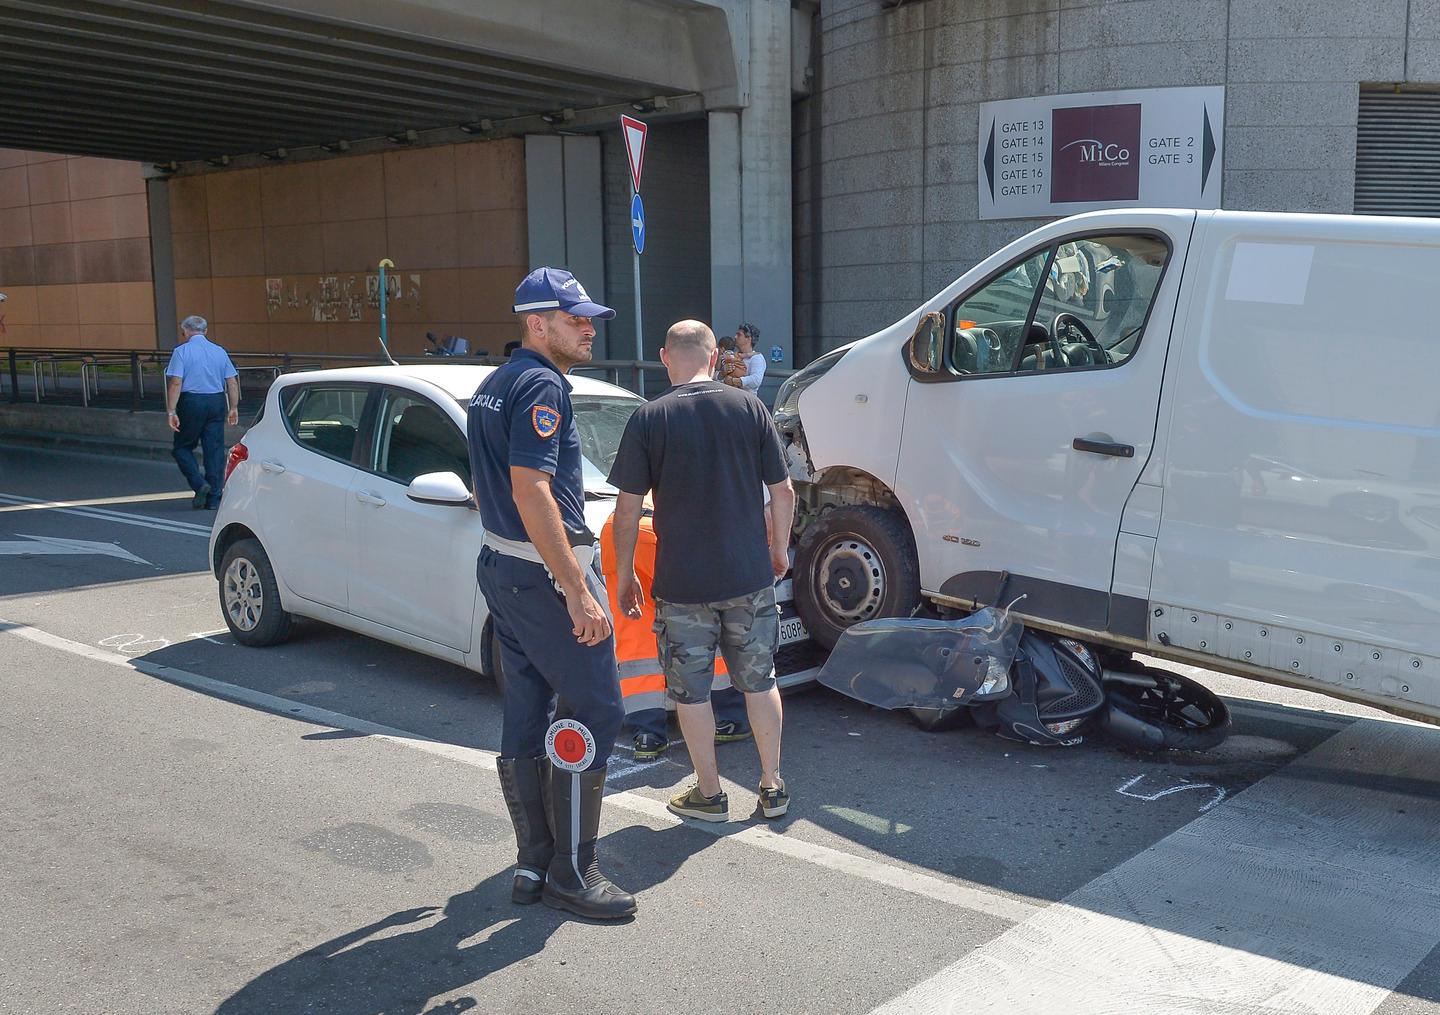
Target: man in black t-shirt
x=708 y=452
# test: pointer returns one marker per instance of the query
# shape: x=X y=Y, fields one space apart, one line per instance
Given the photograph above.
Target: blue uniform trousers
x=543 y=661
x=202 y=421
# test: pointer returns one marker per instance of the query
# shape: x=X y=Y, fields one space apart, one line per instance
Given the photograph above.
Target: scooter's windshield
x=920 y=663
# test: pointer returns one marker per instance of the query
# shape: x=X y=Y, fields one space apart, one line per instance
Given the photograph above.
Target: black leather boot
x=525 y=782
x=575 y=882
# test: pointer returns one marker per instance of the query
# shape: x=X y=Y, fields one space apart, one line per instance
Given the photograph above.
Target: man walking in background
x=202 y=397
x=708 y=452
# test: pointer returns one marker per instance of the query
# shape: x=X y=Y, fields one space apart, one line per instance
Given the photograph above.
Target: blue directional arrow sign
x=637 y=223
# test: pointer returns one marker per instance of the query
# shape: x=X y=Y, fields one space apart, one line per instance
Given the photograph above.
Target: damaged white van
x=1212 y=437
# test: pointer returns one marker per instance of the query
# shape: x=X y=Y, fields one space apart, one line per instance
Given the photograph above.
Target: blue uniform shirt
x=522 y=416
x=201 y=365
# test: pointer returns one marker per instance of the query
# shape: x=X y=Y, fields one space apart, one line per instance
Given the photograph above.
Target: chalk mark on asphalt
x=135 y=642
x=1124 y=790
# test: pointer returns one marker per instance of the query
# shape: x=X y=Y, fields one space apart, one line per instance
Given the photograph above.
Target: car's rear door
x=302 y=489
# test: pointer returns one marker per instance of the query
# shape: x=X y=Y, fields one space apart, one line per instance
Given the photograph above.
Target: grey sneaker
x=775 y=802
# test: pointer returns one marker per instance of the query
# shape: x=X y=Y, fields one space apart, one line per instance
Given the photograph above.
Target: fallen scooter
x=1023 y=684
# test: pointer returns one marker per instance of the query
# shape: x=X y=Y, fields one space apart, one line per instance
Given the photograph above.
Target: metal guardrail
x=47 y=369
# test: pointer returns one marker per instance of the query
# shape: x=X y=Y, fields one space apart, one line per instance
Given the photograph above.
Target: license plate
x=792 y=630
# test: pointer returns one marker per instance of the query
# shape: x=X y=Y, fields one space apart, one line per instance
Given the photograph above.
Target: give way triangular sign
x=634 y=132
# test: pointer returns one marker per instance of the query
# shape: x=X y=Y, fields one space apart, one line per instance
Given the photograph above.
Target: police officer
x=539 y=576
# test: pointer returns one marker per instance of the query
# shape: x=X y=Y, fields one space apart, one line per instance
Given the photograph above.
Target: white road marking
x=55 y=546
x=1124 y=789
x=139 y=498
x=206 y=637
x=124 y=518
x=760 y=837
x=1310 y=892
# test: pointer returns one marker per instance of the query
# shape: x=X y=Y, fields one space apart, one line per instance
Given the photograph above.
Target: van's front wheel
x=855 y=563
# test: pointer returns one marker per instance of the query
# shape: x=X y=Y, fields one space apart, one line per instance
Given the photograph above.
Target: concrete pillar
x=565 y=217
x=751 y=262
x=727 y=279
x=162 y=263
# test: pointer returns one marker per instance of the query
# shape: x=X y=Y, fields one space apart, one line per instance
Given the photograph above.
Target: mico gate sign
x=1056 y=155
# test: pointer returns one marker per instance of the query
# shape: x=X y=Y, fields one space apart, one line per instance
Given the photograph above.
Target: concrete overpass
x=191 y=87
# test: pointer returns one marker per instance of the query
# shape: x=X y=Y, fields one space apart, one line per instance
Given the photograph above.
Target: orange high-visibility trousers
x=642 y=683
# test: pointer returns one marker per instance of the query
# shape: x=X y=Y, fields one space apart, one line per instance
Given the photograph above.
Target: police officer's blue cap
x=556 y=289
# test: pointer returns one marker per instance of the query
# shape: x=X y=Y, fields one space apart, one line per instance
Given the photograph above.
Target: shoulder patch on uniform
x=545 y=420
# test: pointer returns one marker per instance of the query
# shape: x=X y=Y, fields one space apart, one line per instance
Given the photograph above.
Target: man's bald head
x=689 y=344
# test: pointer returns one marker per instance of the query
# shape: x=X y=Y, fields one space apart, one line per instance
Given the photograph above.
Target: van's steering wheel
x=1066 y=319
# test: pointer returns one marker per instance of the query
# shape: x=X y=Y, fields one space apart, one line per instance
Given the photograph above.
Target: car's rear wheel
x=250 y=596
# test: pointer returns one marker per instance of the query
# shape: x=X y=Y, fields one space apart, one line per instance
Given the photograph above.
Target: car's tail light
x=239 y=453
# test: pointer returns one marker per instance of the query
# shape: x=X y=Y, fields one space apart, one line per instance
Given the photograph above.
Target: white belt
x=584 y=555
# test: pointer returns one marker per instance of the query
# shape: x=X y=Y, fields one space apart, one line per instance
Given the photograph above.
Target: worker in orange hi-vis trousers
x=642 y=682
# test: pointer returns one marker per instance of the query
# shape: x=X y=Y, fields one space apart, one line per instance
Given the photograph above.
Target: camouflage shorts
x=746 y=630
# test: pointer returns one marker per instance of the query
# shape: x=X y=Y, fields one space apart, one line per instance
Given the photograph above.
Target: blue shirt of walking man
x=202 y=395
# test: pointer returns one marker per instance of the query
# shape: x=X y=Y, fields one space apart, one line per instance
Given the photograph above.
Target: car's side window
x=325 y=417
x=990 y=322
x=413 y=436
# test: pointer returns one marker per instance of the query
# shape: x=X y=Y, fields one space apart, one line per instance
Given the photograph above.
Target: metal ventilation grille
x=1397 y=154
x=1086 y=695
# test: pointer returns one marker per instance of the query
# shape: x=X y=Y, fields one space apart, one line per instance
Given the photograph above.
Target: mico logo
x=1093 y=153
x=1100 y=153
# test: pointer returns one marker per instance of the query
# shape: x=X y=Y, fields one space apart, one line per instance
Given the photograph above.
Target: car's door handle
x=270 y=465
x=369 y=498
x=1098 y=447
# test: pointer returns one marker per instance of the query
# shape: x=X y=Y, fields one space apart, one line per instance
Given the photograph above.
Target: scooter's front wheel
x=1151 y=709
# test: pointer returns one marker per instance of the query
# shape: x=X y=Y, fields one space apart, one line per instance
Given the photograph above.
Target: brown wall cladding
x=74 y=253
x=284 y=258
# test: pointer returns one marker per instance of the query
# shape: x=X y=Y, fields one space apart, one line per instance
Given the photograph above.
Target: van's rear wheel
x=855 y=563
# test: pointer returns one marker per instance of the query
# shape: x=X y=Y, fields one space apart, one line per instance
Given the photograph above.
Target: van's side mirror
x=439 y=488
x=925 y=352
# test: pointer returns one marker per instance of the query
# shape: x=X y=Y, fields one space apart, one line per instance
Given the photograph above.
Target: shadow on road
x=368 y=971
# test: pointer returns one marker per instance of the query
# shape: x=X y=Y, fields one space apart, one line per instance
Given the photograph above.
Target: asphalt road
x=192 y=826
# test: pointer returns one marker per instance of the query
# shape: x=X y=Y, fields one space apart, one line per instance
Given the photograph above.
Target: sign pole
x=639 y=328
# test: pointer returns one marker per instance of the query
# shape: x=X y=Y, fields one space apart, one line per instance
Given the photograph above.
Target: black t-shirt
x=707 y=450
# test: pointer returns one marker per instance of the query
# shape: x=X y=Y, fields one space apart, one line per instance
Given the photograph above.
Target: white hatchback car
x=348 y=501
